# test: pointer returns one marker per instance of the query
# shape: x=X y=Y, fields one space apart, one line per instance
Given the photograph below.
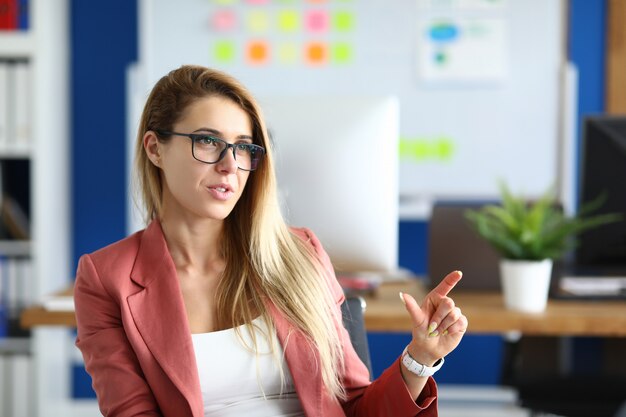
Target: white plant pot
x=525 y=284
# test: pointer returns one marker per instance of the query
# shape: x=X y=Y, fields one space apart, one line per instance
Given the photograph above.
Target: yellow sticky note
x=258 y=21
x=287 y=53
x=288 y=21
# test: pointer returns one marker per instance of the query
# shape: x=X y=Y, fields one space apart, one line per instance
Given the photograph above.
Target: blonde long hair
x=264 y=260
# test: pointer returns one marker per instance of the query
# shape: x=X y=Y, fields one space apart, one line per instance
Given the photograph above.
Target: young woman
x=218 y=308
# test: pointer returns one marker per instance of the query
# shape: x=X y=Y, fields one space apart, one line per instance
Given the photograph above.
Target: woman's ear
x=152 y=146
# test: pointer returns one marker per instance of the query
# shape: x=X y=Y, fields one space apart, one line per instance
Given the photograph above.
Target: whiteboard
x=464 y=132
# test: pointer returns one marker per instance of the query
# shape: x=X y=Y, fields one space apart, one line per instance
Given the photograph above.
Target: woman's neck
x=193 y=245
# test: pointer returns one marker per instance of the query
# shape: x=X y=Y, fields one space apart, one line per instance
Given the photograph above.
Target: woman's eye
x=207 y=140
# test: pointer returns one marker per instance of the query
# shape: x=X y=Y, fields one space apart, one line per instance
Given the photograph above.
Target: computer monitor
x=337 y=168
x=603 y=171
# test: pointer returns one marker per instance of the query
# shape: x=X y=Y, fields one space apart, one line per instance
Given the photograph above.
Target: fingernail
x=402 y=297
x=460 y=273
x=434 y=334
x=445 y=332
x=432 y=327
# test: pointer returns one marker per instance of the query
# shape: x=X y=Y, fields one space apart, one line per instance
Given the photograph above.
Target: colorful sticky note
x=444 y=148
x=343 y=21
x=224 y=2
x=316 y=21
x=288 y=21
x=414 y=149
x=257 y=52
x=316 y=53
x=223 y=20
x=342 y=53
x=257 y=2
x=287 y=53
x=258 y=21
x=224 y=51
x=317 y=1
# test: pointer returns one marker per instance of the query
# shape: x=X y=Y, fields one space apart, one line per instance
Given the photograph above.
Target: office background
x=103 y=43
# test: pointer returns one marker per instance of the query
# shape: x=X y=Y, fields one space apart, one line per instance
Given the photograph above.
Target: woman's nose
x=228 y=163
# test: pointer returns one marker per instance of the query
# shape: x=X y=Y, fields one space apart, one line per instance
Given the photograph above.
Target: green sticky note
x=416 y=149
x=404 y=149
x=444 y=148
x=343 y=21
x=421 y=149
x=224 y=2
x=288 y=21
x=224 y=51
x=342 y=52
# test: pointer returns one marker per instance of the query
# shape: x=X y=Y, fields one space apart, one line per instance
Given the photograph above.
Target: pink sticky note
x=257 y=1
x=317 y=21
x=223 y=20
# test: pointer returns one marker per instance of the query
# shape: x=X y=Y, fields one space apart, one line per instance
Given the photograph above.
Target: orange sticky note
x=257 y=52
x=316 y=53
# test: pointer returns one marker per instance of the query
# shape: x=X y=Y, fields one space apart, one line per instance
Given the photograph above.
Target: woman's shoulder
x=118 y=252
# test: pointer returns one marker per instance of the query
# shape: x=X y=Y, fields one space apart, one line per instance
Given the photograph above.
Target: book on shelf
x=14 y=219
x=14 y=15
x=15 y=105
x=14 y=199
x=9 y=15
x=4 y=103
x=16 y=279
x=21 y=104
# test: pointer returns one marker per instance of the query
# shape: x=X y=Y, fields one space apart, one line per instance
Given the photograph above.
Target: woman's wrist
x=421 y=356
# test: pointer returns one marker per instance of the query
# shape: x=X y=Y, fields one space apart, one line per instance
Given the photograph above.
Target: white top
x=233 y=380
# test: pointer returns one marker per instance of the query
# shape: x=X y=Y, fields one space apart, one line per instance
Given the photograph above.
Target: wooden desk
x=486 y=314
x=484 y=310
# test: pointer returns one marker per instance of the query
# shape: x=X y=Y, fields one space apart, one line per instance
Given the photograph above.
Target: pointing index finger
x=449 y=282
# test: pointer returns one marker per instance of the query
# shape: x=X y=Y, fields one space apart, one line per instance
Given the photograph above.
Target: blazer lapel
x=159 y=314
x=303 y=362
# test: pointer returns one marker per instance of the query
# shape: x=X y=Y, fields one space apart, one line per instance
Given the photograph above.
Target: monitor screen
x=337 y=168
x=603 y=171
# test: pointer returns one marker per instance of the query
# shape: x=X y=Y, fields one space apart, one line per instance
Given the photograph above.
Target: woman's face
x=191 y=187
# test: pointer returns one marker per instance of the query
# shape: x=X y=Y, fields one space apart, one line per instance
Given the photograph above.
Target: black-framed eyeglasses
x=210 y=150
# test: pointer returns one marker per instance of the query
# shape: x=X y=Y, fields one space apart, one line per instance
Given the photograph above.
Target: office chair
x=543 y=389
x=352 y=311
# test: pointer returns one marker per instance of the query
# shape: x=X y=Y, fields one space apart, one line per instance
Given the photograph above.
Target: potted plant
x=529 y=236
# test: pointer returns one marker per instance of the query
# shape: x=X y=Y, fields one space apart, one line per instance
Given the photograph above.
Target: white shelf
x=17 y=44
x=15 y=247
x=15 y=152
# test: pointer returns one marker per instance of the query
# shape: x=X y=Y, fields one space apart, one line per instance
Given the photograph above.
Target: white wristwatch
x=417 y=368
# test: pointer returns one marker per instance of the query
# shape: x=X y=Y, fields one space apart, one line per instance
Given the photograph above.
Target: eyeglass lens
x=211 y=150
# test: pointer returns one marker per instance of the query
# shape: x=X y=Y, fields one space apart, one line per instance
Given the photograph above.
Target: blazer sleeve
x=388 y=395
x=109 y=358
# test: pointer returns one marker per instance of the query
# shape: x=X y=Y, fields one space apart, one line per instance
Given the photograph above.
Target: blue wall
x=104 y=42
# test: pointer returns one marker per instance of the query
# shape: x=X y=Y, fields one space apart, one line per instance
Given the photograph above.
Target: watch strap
x=417 y=368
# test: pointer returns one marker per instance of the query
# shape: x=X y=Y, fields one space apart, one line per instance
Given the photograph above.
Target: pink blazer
x=135 y=339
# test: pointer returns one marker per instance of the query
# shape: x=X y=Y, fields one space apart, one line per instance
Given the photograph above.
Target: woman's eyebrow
x=219 y=134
